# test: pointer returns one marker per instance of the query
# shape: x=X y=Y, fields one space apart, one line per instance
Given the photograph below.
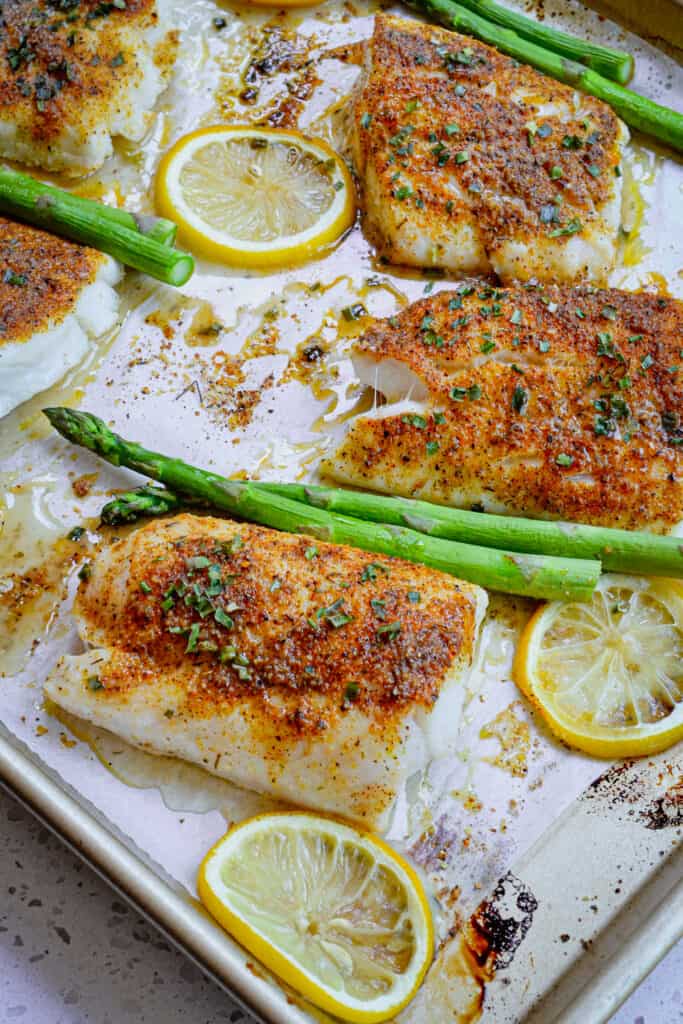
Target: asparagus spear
x=140 y=242
x=618 y=550
x=614 y=64
x=645 y=115
x=145 y=501
x=528 y=575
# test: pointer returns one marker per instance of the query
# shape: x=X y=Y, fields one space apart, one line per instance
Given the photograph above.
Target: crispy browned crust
x=66 y=66
x=41 y=277
x=408 y=99
x=303 y=670
x=615 y=420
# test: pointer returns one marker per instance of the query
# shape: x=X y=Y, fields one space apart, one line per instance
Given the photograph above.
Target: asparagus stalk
x=23 y=193
x=645 y=115
x=141 y=242
x=614 y=64
x=618 y=550
x=527 y=575
x=145 y=501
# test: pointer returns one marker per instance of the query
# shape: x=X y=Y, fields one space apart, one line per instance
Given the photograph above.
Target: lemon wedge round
x=334 y=912
x=607 y=675
x=255 y=197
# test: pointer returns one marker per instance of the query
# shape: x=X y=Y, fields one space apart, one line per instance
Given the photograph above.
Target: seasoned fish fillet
x=472 y=162
x=55 y=297
x=73 y=74
x=305 y=670
x=553 y=402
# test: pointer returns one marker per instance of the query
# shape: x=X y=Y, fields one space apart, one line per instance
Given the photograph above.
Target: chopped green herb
x=571 y=142
x=365 y=120
x=379 y=608
x=414 y=596
x=543 y=346
x=647 y=361
x=390 y=630
x=94 y=683
x=311 y=553
x=520 y=397
x=351 y=692
x=516 y=317
x=198 y=562
x=412 y=106
x=555 y=172
x=370 y=571
x=462 y=157
x=414 y=420
x=609 y=312
x=487 y=346
x=275 y=585
x=18 y=280
x=403 y=192
x=571 y=228
x=223 y=619
x=76 y=533
x=85 y=571
x=452 y=129
x=145 y=587
x=193 y=638
x=564 y=460
x=432 y=447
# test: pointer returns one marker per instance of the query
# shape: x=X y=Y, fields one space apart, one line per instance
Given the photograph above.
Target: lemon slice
x=336 y=913
x=255 y=197
x=607 y=675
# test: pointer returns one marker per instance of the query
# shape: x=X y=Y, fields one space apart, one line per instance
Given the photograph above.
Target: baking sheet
x=242 y=401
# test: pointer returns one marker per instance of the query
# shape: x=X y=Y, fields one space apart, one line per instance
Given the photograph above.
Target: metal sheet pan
x=515 y=938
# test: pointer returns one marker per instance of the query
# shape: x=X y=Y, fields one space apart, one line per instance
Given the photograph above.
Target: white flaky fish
x=472 y=162
x=316 y=673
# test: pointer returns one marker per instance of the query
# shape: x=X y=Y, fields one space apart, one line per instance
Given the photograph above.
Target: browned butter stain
x=455 y=988
x=514 y=737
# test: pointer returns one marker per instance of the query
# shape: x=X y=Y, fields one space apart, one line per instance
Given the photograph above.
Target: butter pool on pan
x=56 y=298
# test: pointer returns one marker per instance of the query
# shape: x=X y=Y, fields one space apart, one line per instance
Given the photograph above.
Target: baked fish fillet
x=472 y=162
x=55 y=298
x=300 y=669
x=75 y=73
x=551 y=402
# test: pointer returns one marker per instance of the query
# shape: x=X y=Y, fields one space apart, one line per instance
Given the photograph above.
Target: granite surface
x=72 y=952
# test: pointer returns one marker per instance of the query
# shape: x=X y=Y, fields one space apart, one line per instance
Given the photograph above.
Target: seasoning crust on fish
x=72 y=75
x=473 y=162
x=55 y=297
x=313 y=672
x=550 y=401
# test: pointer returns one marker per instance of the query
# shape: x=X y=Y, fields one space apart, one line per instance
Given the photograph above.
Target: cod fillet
x=551 y=402
x=474 y=163
x=305 y=670
x=75 y=73
x=56 y=297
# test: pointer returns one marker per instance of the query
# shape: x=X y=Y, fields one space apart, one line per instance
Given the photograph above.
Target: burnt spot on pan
x=635 y=789
x=499 y=925
x=667 y=811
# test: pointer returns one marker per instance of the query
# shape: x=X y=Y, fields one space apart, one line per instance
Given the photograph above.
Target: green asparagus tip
x=84 y=429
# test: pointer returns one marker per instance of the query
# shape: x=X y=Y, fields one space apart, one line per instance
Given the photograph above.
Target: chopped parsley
x=564 y=460
x=520 y=398
x=390 y=630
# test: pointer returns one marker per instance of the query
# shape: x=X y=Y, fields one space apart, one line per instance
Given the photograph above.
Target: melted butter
x=183 y=787
x=35 y=561
x=514 y=737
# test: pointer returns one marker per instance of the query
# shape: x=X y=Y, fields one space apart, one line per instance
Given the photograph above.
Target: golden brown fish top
x=62 y=63
x=230 y=614
x=41 y=277
x=547 y=401
x=449 y=125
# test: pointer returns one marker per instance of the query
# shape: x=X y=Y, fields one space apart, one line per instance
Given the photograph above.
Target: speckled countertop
x=71 y=952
